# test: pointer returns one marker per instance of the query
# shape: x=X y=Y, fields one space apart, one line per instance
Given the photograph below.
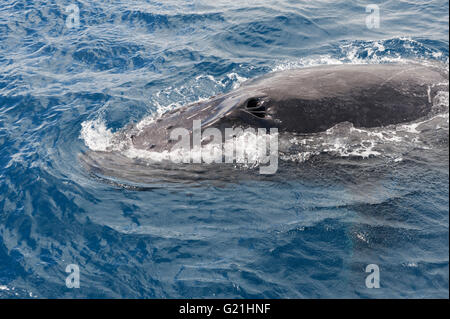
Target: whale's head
x=239 y=109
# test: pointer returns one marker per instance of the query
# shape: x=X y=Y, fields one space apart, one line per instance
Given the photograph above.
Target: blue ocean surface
x=348 y=199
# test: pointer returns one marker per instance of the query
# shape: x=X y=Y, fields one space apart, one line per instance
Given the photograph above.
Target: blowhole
x=256 y=107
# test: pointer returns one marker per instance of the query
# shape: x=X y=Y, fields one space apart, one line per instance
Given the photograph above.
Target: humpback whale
x=307 y=100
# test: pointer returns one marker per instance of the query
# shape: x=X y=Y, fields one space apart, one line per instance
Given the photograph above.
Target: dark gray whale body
x=307 y=100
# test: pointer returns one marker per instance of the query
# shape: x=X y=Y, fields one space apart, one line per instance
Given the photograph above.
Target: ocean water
x=346 y=199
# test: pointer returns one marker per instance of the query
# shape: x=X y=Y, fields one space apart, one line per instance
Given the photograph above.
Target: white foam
x=96 y=136
x=375 y=52
x=238 y=80
x=307 y=62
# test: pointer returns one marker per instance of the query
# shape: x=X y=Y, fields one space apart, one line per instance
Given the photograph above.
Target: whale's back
x=314 y=99
x=309 y=100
